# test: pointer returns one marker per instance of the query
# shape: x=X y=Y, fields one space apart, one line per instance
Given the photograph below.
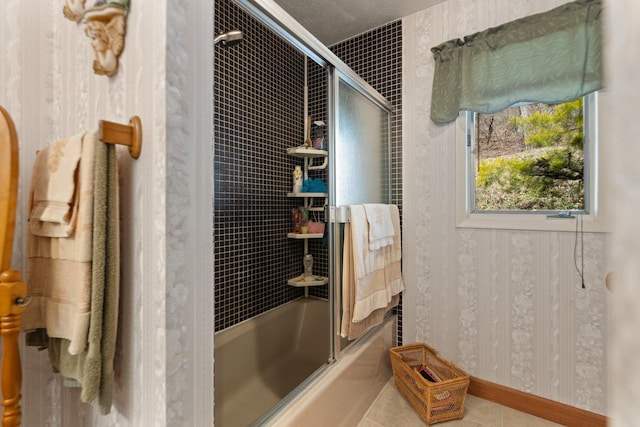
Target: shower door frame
x=340 y=345
x=283 y=24
x=273 y=16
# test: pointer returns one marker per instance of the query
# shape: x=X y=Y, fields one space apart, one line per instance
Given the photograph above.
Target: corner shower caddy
x=308 y=155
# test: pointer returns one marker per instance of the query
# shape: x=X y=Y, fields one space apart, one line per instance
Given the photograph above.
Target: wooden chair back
x=8 y=187
x=12 y=290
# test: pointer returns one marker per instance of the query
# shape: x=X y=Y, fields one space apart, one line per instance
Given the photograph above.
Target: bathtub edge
x=361 y=372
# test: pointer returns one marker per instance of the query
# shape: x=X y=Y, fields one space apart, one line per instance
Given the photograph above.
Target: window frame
x=593 y=218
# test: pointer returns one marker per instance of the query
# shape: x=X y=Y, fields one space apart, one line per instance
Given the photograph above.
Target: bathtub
x=259 y=361
x=269 y=374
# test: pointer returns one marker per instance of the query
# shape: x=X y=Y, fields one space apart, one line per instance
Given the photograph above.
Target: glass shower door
x=359 y=171
x=361 y=163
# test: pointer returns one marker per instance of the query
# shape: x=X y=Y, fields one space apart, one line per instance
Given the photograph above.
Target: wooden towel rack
x=13 y=292
x=116 y=133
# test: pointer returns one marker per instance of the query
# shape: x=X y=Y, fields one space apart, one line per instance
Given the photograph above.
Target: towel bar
x=129 y=135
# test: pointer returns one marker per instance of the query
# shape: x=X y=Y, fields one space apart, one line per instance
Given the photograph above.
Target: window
x=529 y=167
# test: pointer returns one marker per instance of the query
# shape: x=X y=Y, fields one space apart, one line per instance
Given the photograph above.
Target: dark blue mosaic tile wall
x=258 y=101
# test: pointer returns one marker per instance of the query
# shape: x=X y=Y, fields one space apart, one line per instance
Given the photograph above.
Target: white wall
x=164 y=367
x=621 y=117
x=507 y=306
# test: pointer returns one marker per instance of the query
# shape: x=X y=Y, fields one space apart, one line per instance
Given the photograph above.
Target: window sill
x=534 y=222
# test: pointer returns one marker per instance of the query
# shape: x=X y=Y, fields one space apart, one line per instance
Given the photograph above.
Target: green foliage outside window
x=546 y=172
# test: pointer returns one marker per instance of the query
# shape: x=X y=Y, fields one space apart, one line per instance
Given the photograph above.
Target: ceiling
x=332 y=21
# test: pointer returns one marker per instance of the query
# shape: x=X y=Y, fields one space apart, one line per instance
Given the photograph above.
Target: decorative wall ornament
x=73 y=9
x=105 y=25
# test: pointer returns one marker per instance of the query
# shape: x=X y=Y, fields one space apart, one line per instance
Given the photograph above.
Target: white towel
x=381 y=229
x=54 y=199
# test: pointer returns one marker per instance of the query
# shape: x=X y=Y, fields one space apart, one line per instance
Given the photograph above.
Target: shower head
x=229 y=38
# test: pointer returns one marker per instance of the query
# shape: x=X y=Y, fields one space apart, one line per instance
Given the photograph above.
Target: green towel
x=93 y=368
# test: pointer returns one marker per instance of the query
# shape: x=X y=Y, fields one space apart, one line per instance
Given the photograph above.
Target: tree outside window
x=531 y=158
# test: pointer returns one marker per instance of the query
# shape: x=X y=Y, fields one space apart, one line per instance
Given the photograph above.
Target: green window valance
x=550 y=57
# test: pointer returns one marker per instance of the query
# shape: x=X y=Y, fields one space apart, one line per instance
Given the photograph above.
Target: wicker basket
x=435 y=401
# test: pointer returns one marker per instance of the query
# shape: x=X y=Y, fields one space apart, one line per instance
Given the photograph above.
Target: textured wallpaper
x=507 y=306
x=48 y=85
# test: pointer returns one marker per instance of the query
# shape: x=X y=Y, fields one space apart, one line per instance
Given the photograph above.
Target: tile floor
x=391 y=409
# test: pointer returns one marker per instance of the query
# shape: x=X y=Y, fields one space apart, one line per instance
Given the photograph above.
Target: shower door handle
x=338 y=214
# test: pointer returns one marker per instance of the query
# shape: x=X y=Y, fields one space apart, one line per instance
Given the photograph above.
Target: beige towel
x=368 y=267
x=349 y=329
x=59 y=268
x=393 y=269
x=93 y=369
x=380 y=225
x=54 y=200
x=372 y=280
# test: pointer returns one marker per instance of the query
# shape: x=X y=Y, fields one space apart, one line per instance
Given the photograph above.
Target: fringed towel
x=372 y=280
x=59 y=267
x=380 y=225
x=54 y=199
